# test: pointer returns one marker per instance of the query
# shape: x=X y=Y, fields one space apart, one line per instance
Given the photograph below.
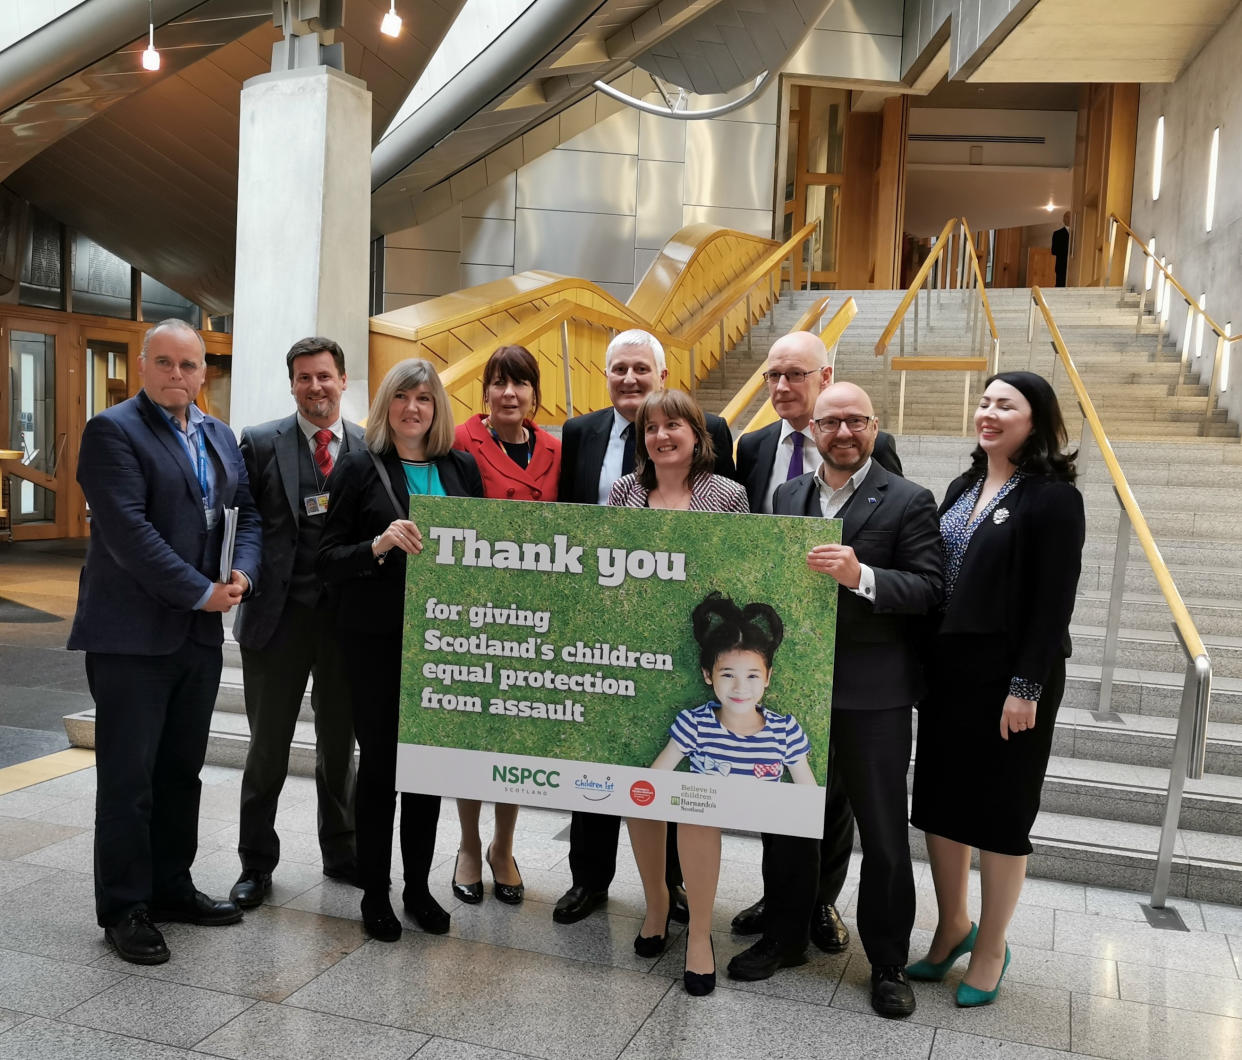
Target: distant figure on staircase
x=1061 y=248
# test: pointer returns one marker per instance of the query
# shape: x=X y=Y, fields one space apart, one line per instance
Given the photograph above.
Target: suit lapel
x=288 y=434
x=865 y=502
x=163 y=430
x=594 y=450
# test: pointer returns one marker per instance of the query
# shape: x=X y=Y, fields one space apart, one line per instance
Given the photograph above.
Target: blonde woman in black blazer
x=366 y=537
x=1012 y=530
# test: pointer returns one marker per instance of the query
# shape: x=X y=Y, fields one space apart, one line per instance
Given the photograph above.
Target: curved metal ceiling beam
x=501 y=64
x=761 y=82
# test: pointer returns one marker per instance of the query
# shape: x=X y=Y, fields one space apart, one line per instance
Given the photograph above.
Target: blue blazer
x=151 y=557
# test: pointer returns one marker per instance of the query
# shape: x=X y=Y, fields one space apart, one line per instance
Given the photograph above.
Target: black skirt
x=969 y=784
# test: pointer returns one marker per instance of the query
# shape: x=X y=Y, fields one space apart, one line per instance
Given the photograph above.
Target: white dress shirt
x=611 y=469
x=334 y=444
x=831 y=501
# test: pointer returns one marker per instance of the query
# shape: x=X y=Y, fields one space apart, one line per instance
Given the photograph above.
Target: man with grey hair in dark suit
x=286 y=633
x=888 y=572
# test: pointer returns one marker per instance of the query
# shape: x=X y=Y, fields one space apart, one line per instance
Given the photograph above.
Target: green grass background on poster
x=750 y=558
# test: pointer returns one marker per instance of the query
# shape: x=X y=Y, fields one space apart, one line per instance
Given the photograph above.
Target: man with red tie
x=285 y=633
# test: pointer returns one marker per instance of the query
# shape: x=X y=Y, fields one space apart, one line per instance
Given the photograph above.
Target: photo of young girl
x=733 y=734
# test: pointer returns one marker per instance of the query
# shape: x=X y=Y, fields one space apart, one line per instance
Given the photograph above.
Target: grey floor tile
x=1126 y=1029
x=955 y=1045
x=505 y=1000
x=78 y=811
x=1180 y=989
x=40 y=1039
x=15 y=874
x=76 y=853
x=1033 y=1015
x=73 y=785
x=1235 y=947
x=267 y=956
x=1068 y=971
x=10 y=1019
x=215 y=871
x=20 y=836
x=448 y=1049
x=1032 y=925
x=1123 y=940
x=53 y=917
x=42 y=986
x=1128 y=905
x=1223 y=918
x=25 y=802
x=736 y=1024
x=157 y=1011
x=282 y=1032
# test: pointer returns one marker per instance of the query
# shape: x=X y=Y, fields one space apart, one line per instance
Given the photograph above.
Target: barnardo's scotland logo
x=593 y=789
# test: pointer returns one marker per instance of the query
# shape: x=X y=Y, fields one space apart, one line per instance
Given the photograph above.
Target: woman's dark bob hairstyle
x=1043 y=452
x=721 y=626
x=512 y=364
x=676 y=405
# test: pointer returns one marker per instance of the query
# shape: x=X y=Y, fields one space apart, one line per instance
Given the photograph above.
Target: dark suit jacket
x=151 y=557
x=1060 y=243
x=373 y=593
x=1019 y=577
x=584 y=443
x=756 y=452
x=891 y=525
x=271 y=454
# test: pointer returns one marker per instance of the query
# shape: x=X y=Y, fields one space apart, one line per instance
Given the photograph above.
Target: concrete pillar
x=303 y=233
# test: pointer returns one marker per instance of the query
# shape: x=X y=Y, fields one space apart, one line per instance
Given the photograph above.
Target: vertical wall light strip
x=1210 y=210
x=1157 y=159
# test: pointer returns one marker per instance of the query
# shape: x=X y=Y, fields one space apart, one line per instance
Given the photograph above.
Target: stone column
x=303 y=233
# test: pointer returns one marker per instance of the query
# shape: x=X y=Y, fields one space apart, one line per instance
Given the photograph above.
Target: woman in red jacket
x=517 y=461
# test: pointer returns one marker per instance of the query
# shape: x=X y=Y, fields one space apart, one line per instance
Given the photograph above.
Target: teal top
x=422 y=479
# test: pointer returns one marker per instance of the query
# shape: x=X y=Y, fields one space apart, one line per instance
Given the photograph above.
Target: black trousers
x=152 y=718
x=869 y=756
x=593 y=851
x=373 y=661
x=305 y=642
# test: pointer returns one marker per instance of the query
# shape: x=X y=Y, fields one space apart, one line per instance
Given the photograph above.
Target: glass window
x=160 y=302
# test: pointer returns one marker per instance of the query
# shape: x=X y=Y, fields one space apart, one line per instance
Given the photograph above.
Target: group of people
x=962 y=613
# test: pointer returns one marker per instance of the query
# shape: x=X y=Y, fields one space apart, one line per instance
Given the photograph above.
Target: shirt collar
x=194 y=416
x=787 y=429
x=851 y=484
x=619 y=423
x=309 y=429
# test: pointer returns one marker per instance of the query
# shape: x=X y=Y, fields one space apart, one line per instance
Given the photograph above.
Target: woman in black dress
x=1012 y=530
x=366 y=537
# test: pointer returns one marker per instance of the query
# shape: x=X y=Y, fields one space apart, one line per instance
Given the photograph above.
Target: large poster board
x=549 y=648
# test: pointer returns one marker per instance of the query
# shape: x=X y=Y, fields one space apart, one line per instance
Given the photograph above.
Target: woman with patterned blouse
x=1012 y=530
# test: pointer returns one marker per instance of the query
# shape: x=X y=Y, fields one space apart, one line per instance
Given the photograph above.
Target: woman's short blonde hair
x=408 y=375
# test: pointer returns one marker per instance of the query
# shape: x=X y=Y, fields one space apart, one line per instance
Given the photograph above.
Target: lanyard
x=200 y=464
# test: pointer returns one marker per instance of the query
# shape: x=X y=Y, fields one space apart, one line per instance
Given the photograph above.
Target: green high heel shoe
x=932 y=972
x=972 y=997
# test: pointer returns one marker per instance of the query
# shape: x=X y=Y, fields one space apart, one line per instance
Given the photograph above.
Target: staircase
x=1105 y=791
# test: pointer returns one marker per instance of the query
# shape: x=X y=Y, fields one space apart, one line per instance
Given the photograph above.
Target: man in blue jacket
x=158 y=476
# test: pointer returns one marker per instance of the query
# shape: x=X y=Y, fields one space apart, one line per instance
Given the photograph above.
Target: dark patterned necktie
x=795 y=458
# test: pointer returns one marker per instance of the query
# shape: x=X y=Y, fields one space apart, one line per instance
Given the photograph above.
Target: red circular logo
x=642 y=793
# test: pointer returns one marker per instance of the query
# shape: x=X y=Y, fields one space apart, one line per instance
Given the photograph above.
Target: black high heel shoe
x=509 y=893
x=700 y=984
x=428 y=914
x=652 y=945
x=470 y=893
x=378 y=919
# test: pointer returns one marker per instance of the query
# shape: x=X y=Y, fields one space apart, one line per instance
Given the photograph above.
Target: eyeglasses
x=854 y=424
x=795 y=376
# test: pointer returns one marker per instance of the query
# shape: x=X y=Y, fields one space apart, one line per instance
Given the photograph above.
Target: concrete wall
x=1207 y=94
x=855 y=38
x=599 y=206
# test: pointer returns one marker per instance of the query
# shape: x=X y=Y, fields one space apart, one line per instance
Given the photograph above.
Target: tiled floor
x=298 y=981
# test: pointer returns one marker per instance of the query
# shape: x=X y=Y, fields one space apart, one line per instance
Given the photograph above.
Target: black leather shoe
x=750 y=920
x=470 y=893
x=891 y=994
x=136 y=939
x=678 y=906
x=428 y=914
x=577 y=903
x=763 y=959
x=828 y=931
x=378 y=919
x=251 y=886
x=199 y=909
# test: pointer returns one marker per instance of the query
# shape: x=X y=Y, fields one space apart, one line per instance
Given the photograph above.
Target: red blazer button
x=509 y=492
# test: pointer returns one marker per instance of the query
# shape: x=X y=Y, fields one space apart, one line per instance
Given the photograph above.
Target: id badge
x=212 y=516
x=316 y=504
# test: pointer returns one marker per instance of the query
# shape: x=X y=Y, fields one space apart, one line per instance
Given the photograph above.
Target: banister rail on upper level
x=916 y=285
x=1158 y=272
x=1191 y=741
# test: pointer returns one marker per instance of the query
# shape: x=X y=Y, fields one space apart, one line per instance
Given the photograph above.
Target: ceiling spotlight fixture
x=150 y=57
x=391 y=24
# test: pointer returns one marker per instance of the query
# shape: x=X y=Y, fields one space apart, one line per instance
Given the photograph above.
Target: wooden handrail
x=979 y=280
x=1181 y=616
x=830 y=336
x=907 y=300
x=752 y=386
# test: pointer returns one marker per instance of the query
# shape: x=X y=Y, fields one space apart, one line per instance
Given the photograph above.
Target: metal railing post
x=1112 y=241
x=1214 y=385
x=995 y=356
x=722 y=341
x=901 y=332
x=1138 y=324
x=772 y=300
x=694 y=368
x=965 y=403
x=569 y=375
x=749 y=322
x=1125 y=269
x=901 y=405
x=916 y=323
x=1177 y=782
x=1112 y=632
